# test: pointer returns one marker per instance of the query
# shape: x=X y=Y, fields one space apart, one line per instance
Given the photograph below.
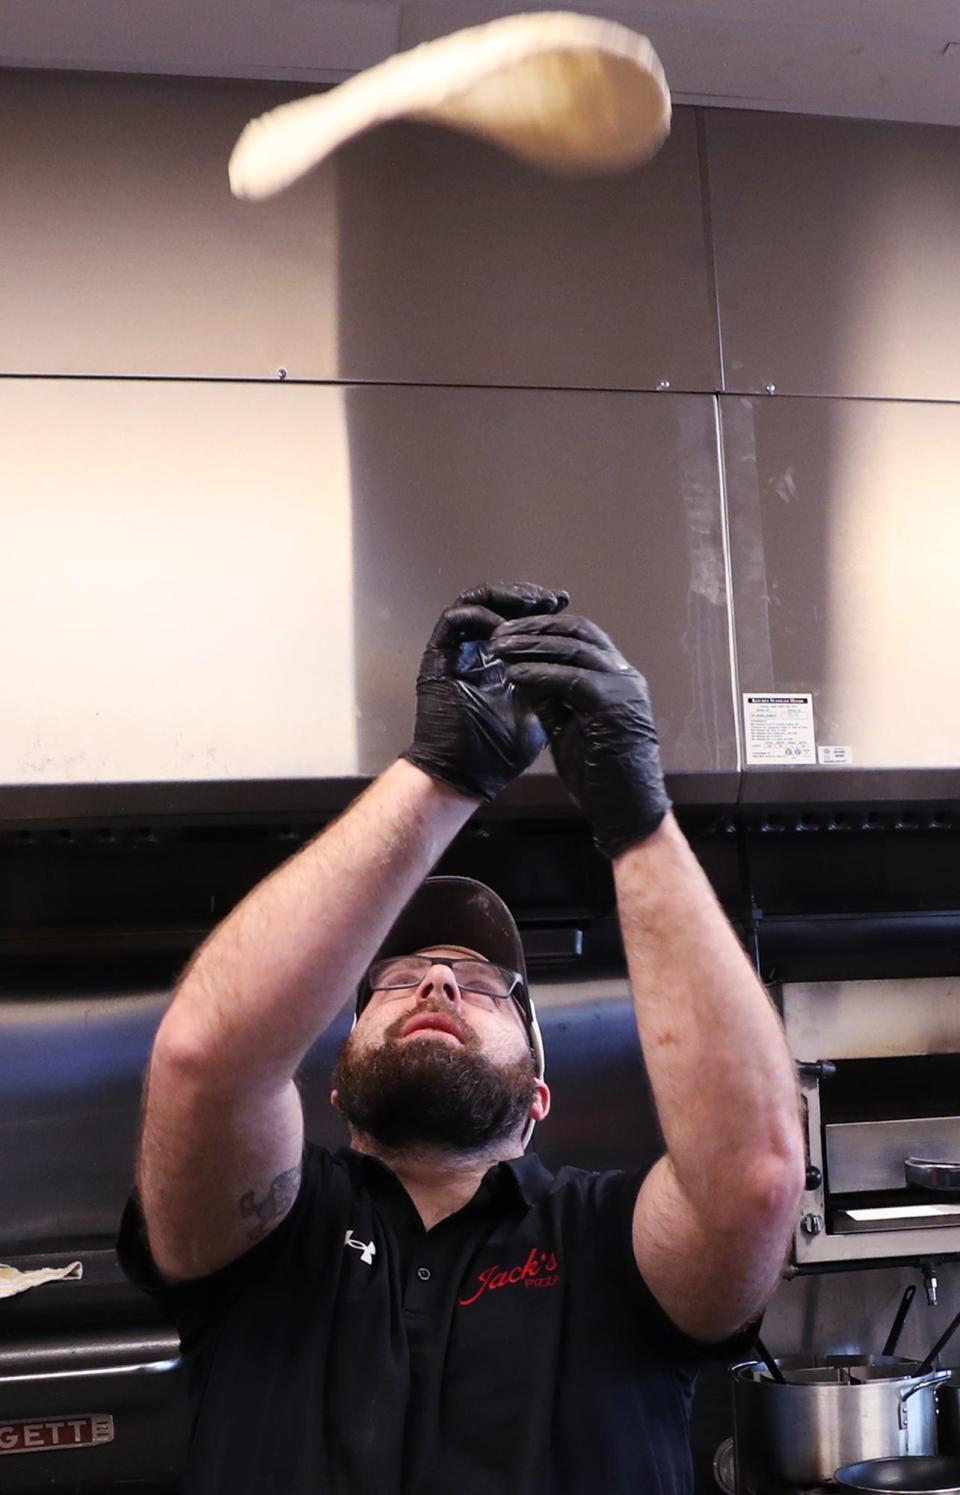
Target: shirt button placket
x=422 y=1284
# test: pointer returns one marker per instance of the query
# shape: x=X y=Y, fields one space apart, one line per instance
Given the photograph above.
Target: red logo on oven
x=541 y=1269
x=44 y=1434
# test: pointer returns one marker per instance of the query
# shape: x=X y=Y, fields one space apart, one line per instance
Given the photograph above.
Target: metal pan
x=917 y=1474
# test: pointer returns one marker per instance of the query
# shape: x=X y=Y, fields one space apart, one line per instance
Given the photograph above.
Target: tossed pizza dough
x=572 y=94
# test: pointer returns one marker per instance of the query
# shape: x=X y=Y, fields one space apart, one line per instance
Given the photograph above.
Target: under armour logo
x=368 y=1252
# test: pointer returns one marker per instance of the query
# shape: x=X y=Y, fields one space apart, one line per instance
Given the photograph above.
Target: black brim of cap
x=458 y=911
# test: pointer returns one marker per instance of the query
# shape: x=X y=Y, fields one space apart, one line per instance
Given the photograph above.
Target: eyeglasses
x=481 y=982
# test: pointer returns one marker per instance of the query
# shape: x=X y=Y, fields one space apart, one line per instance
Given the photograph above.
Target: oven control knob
x=811 y=1224
x=814 y=1178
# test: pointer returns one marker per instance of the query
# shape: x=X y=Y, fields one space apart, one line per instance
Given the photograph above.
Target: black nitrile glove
x=596 y=709
x=473 y=731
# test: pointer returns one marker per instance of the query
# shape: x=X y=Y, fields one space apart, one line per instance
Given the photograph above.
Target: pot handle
x=933 y=1378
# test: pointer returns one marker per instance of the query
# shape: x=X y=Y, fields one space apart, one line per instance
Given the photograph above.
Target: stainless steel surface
x=870 y=1155
x=178 y=632
x=835 y=264
x=127 y=254
x=905 y=1214
x=799 y=1434
x=898 y=1239
x=457 y=265
x=617 y=494
x=849 y=1313
x=92 y=1372
x=832 y=1375
x=843 y=530
x=872 y=1019
x=862 y=1020
x=252 y=598
x=416 y=255
x=939 y=1345
x=83 y=1352
x=838 y=1369
x=900 y=1318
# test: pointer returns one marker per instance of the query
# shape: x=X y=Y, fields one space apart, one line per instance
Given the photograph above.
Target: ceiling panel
x=246 y=39
x=862 y=58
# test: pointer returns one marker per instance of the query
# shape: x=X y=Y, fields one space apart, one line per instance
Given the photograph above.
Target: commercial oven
x=879 y=1067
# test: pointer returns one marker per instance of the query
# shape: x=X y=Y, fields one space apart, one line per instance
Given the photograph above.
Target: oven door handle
x=83 y=1373
x=928 y=1173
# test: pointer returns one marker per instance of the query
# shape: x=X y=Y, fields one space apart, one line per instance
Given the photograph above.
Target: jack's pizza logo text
x=541 y=1269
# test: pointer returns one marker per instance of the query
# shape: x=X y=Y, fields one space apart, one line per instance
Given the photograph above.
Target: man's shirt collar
x=525 y=1176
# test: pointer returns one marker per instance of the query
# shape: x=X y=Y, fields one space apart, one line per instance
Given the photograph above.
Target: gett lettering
x=23 y=1437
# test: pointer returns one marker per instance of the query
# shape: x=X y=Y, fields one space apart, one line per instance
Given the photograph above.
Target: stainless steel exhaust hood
x=559 y=381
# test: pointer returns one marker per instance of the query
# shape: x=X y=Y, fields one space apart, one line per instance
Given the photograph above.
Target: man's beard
x=423 y=1091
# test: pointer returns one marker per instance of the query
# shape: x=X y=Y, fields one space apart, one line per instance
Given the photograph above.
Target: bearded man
x=429 y=1310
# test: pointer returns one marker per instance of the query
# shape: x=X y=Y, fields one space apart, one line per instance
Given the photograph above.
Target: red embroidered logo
x=541 y=1269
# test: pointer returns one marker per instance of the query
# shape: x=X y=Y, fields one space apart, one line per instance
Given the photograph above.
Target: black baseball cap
x=461 y=911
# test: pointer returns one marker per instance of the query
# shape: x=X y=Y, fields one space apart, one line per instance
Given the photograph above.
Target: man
x=429 y=1311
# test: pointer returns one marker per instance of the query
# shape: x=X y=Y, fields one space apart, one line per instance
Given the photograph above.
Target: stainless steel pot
x=948 y=1413
x=799 y=1434
x=863 y=1367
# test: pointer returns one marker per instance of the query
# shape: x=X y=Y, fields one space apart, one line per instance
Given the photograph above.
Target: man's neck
x=438 y=1181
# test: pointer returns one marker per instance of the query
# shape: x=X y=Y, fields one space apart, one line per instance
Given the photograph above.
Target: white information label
x=779 y=727
x=835 y=754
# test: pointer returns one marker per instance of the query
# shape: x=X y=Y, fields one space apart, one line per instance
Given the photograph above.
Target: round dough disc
x=571 y=94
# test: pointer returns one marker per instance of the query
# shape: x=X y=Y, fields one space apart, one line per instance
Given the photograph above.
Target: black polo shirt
x=513 y=1349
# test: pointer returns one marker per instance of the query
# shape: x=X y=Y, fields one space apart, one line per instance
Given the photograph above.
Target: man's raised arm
x=714 y=1216
x=222 y=1132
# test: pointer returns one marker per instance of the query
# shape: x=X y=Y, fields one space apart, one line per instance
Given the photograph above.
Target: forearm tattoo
x=274 y=1204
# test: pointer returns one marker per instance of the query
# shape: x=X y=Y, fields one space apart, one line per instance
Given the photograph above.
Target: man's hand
x=473 y=730
x=596 y=710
